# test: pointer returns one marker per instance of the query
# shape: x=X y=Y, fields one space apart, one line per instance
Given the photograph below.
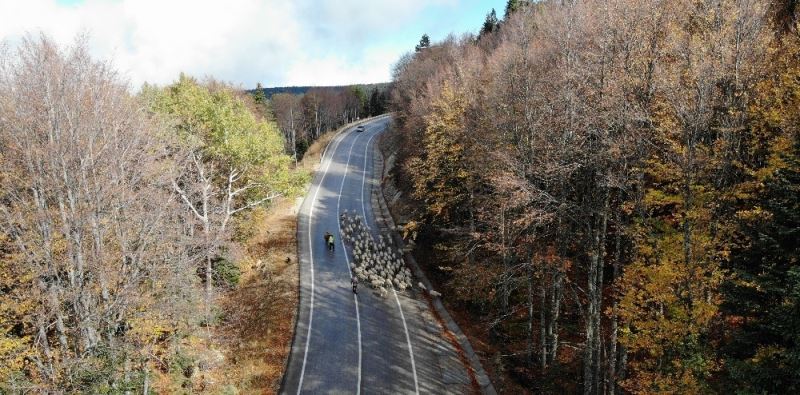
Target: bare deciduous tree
x=87 y=206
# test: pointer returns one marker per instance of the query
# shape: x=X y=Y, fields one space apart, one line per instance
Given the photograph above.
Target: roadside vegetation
x=147 y=241
x=608 y=192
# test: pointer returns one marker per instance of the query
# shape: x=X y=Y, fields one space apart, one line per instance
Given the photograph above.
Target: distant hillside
x=300 y=90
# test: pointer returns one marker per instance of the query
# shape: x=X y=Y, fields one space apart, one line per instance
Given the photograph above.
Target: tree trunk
x=530 y=313
x=317 y=124
x=206 y=218
x=612 y=362
x=591 y=367
x=292 y=135
x=588 y=358
x=599 y=309
x=506 y=290
x=556 y=295
x=146 y=384
x=542 y=321
x=208 y=277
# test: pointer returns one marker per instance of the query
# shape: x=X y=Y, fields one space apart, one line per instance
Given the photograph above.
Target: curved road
x=353 y=344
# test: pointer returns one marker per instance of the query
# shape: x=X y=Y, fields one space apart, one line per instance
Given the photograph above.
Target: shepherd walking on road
x=329 y=241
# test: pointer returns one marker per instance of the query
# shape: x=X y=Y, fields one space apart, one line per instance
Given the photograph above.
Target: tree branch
x=186 y=200
x=255 y=203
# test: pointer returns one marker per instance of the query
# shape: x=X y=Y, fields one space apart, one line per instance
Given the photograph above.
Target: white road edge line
x=347 y=259
x=311 y=262
x=399 y=306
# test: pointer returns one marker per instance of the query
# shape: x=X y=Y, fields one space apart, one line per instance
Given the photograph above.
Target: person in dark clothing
x=354 y=282
x=329 y=241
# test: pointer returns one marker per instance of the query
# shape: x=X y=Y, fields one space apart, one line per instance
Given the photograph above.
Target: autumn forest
x=604 y=193
x=611 y=189
x=134 y=226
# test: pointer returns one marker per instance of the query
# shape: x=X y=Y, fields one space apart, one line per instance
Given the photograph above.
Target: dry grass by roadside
x=246 y=350
x=312 y=156
x=259 y=313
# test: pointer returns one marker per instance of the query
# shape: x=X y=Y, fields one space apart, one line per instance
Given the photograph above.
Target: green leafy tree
x=235 y=162
x=227 y=134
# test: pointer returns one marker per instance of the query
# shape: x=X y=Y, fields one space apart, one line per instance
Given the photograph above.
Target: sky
x=274 y=42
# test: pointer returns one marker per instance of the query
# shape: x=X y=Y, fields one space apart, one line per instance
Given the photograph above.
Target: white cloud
x=275 y=42
x=336 y=70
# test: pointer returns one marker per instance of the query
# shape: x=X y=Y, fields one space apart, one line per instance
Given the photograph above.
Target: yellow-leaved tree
x=441 y=176
x=671 y=289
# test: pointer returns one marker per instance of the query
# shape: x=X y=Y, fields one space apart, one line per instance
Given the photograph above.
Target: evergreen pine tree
x=490 y=24
x=374 y=103
x=511 y=7
x=259 y=95
x=424 y=42
x=763 y=297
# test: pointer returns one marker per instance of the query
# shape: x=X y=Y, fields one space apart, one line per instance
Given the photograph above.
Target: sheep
x=375 y=258
x=434 y=294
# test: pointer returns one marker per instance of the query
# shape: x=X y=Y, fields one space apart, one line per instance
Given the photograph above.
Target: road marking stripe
x=402 y=316
x=347 y=259
x=311 y=262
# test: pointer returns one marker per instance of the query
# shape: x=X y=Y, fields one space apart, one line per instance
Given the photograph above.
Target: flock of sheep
x=375 y=262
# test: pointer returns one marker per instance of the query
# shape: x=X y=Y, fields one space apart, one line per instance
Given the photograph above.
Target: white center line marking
x=347 y=259
x=311 y=262
x=402 y=316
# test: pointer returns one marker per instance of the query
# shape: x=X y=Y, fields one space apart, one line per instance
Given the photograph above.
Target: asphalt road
x=352 y=344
